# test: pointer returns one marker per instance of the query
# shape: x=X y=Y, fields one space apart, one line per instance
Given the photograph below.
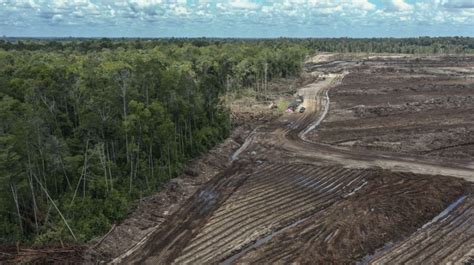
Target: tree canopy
x=88 y=127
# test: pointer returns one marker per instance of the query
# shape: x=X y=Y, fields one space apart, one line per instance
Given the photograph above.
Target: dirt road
x=287 y=198
x=318 y=105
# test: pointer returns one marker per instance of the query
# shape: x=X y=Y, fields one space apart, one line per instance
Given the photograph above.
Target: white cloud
x=398 y=5
x=363 y=4
x=288 y=14
x=22 y=3
x=145 y=3
x=57 y=18
x=179 y=10
x=244 y=4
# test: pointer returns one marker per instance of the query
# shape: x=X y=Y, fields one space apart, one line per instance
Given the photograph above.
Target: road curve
x=317 y=102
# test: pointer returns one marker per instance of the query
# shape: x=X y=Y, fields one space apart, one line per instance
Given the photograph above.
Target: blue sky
x=236 y=18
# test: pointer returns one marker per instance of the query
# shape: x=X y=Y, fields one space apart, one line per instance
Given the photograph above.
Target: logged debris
x=42 y=255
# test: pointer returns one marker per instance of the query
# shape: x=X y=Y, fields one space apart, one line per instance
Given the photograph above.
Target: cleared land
x=415 y=106
x=300 y=190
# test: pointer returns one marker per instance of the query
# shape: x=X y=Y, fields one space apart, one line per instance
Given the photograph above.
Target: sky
x=236 y=18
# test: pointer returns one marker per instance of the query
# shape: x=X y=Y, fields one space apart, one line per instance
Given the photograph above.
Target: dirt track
x=290 y=198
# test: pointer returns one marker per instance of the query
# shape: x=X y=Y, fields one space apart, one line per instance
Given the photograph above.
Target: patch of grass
x=282 y=104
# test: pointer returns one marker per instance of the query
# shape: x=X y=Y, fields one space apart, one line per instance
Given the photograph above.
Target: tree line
x=420 y=45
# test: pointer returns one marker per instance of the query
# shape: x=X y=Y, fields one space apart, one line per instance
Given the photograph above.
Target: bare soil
x=388 y=208
x=348 y=214
x=448 y=239
x=419 y=106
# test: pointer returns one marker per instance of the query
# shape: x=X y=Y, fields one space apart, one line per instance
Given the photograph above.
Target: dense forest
x=421 y=45
x=84 y=132
x=89 y=126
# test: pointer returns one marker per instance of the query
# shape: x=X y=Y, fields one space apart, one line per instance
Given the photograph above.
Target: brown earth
x=445 y=240
x=416 y=106
x=389 y=207
x=348 y=213
x=289 y=197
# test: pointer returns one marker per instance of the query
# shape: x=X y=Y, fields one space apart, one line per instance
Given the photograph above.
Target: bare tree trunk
x=126 y=147
x=110 y=171
x=266 y=78
x=65 y=173
x=43 y=167
x=15 y=198
x=33 y=196
x=103 y=162
x=83 y=173
x=152 y=165
x=114 y=157
x=30 y=180
x=169 y=162
x=131 y=176
x=137 y=161
x=55 y=206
